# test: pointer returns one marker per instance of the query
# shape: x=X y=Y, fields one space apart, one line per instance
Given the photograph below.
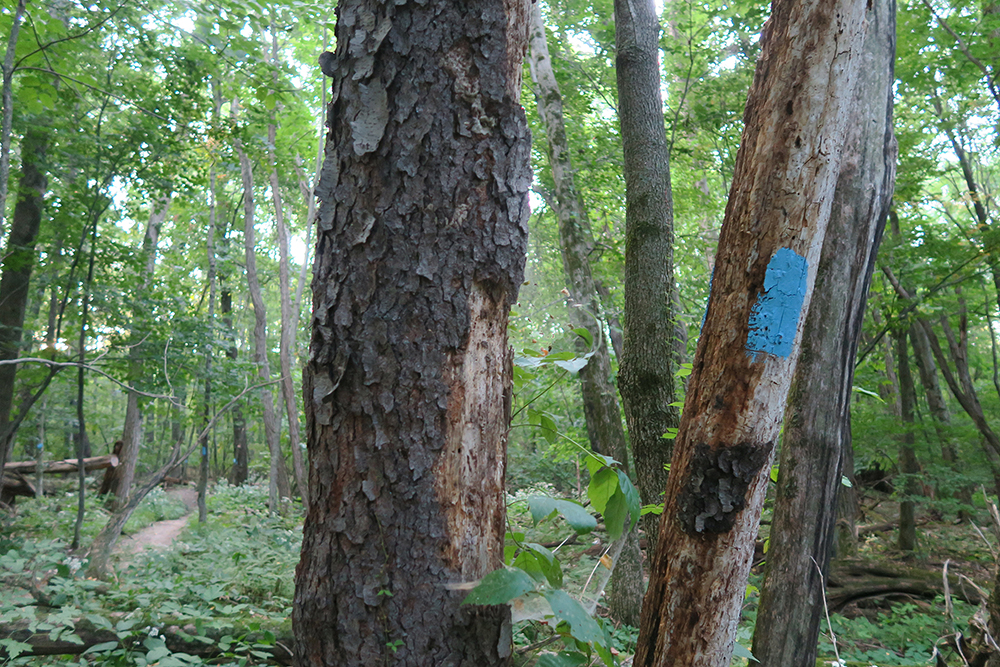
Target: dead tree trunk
x=817 y=427
x=796 y=129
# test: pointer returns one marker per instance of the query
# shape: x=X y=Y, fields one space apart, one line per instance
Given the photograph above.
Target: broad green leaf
x=561 y=659
x=101 y=648
x=632 y=500
x=741 y=651
x=574 y=365
x=500 y=587
x=596 y=461
x=549 y=430
x=656 y=508
x=578 y=518
x=586 y=335
x=616 y=515
x=582 y=625
x=602 y=486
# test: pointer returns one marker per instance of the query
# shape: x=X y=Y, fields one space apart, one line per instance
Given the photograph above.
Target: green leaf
x=616 y=514
x=578 y=518
x=582 y=625
x=741 y=651
x=101 y=648
x=561 y=659
x=596 y=461
x=586 y=335
x=632 y=500
x=656 y=508
x=500 y=587
x=549 y=430
x=602 y=486
x=14 y=648
x=548 y=563
x=845 y=481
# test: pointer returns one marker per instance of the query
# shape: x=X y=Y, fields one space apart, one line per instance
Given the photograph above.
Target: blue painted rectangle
x=774 y=318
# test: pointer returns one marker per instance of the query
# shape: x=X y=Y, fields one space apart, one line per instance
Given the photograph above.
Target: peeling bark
x=796 y=129
x=420 y=252
x=816 y=445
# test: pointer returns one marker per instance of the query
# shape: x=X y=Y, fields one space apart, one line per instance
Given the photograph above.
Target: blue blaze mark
x=774 y=319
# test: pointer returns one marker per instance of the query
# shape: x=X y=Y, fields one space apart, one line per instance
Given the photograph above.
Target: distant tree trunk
x=908 y=464
x=8 y=115
x=797 y=118
x=18 y=261
x=82 y=445
x=407 y=390
x=132 y=431
x=289 y=320
x=600 y=401
x=650 y=356
x=241 y=456
x=816 y=443
x=278 y=487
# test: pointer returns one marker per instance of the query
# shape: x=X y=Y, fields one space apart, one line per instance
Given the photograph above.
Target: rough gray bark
x=278 y=487
x=650 y=355
x=817 y=429
x=19 y=258
x=796 y=130
x=420 y=252
x=576 y=241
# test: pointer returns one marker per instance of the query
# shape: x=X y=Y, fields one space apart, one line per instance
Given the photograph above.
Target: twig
x=826 y=611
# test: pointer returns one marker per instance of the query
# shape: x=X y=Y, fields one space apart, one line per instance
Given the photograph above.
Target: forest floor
x=161 y=534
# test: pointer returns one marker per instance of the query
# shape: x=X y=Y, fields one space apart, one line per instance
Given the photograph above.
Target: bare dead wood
x=64 y=466
x=853 y=581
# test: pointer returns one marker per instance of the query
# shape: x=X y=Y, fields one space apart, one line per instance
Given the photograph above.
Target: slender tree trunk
x=17 y=265
x=240 y=469
x=796 y=129
x=82 y=446
x=278 y=487
x=650 y=356
x=408 y=384
x=600 y=401
x=908 y=464
x=289 y=320
x=817 y=427
x=132 y=431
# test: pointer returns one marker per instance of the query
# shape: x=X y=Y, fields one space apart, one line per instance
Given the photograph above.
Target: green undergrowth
x=227 y=584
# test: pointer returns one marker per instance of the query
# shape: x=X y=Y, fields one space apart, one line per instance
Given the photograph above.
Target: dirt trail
x=162 y=533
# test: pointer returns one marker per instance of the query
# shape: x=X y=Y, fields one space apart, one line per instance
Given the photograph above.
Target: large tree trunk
x=6 y=124
x=241 y=454
x=278 y=487
x=576 y=241
x=817 y=428
x=908 y=464
x=796 y=123
x=19 y=258
x=646 y=376
x=420 y=252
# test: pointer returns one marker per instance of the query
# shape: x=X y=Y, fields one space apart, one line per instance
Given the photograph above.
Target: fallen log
x=853 y=581
x=64 y=466
x=15 y=484
x=186 y=639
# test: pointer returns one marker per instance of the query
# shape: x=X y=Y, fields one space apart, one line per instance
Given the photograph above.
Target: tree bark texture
x=19 y=258
x=817 y=425
x=576 y=241
x=646 y=374
x=422 y=231
x=241 y=456
x=796 y=129
x=278 y=486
